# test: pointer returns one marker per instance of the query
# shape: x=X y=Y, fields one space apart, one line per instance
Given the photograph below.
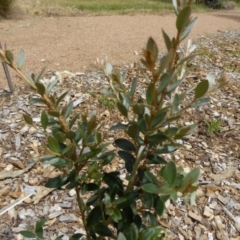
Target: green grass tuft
x=213 y=126
x=107 y=102
x=120 y=6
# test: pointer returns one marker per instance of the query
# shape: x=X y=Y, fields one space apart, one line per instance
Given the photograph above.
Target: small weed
x=235 y=53
x=213 y=126
x=205 y=52
x=107 y=102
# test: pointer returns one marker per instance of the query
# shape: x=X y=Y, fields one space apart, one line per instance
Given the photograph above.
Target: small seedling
x=213 y=126
x=107 y=102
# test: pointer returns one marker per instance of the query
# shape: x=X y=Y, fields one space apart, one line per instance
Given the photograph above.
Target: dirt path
x=74 y=43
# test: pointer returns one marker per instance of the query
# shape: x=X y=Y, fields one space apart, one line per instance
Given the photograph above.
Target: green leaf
x=118 y=201
x=51 y=85
x=102 y=230
x=166 y=191
x=186 y=130
x=62 y=96
x=151 y=178
x=185 y=59
x=9 y=56
x=53 y=144
x=165 y=80
x=165 y=61
x=133 y=131
x=201 y=89
x=116 y=216
x=131 y=233
x=175 y=6
x=151 y=93
x=166 y=149
x=108 y=68
x=138 y=221
x=93 y=153
x=60 y=136
x=200 y=102
x=107 y=157
x=133 y=86
x=183 y=18
x=36 y=100
x=94 y=216
x=188 y=29
x=47 y=158
x=38 y=77
x=166 y=40
x=57 y=162
x=68 y=151
x=76 y=236
x=56 y=182
x=72 y=185
x=159 y=206
x=119 y=126
x=31 y=82
x=122 y=109
x=159 y=117
x=28 y=234
x=125 y=144
x=148 y=199
x=131 y=198
x=69 y=109
x=121 y=236
x=54 y=113
x=113 y=181
x=128 y=158
x=73 y=120
x=139 y=109
x=190 y=178
x=28 y=119
x=151 y=218
x=60 y=237
x=150 y=233
x=170 y=132
x=150 y=188
x=155 y=159
x=93 y=167
x=40 y=88
x=174 y=85
x=170 y=172
x=39 y=227
x=70 y=135
x=126 y=101
x=21 y=59
x=91 y=187
x=176 y=102
x=44 y=119
x=153 y=49
x=157 y=138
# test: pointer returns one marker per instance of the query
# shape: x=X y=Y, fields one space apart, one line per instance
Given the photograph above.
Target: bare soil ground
x=74 y=43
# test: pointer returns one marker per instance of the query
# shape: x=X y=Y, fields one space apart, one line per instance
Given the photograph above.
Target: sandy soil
x=74 y=43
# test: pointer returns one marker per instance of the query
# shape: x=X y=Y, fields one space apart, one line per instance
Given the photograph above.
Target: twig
x=7 y=74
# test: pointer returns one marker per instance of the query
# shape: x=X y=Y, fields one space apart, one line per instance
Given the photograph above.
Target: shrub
x=5 y=6
x=124 y=206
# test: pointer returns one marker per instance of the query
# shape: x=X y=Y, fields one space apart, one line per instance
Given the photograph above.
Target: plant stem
x=134 y=171
x=82 y=211
x=99 y=196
